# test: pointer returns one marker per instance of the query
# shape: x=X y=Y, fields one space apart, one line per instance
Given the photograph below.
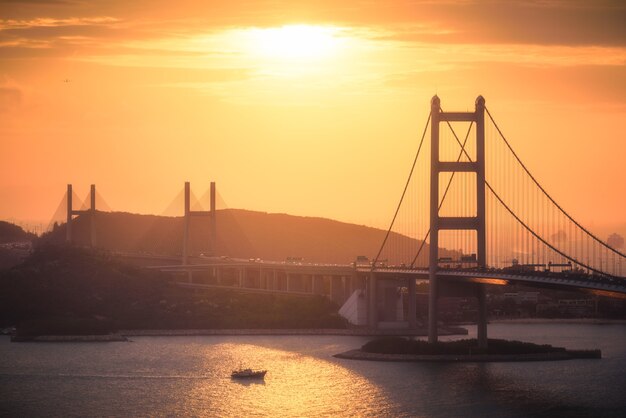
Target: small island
x=466 y=350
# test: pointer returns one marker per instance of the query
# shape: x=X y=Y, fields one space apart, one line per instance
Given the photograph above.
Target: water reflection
x=248 y=382
x=295 y=384
x=192 y=376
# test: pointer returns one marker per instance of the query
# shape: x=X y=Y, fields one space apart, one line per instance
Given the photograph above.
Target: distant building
x=522 y=297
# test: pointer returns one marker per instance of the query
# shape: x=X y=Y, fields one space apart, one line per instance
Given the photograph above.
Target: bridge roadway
x=377 y=298
x=604 y=286
x=353 y=277
x=335 y=281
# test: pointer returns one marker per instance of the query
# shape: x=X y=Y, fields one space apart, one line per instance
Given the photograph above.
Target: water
x=173 y=376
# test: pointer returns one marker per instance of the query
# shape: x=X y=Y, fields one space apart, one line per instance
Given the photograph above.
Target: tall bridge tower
x=91 y=211
x=439 y=223
x=211 y=214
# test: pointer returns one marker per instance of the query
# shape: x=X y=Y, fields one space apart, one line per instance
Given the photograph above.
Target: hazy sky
x=309 y=108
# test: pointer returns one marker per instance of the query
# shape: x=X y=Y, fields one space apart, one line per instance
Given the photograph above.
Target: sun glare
x=295 y=41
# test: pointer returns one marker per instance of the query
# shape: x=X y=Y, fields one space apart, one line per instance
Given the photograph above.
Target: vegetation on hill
x=14 y=233
x=399 y=345
x=240 y=233
x=59 y=287
x=15 y=244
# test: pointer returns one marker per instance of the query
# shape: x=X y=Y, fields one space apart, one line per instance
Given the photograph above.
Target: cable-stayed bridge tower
x=188 y=214
x=91 y=211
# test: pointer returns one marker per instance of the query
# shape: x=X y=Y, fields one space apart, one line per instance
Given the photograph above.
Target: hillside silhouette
x=13 y=233
x=14 y=244
x=243 y=234
x=68 y=290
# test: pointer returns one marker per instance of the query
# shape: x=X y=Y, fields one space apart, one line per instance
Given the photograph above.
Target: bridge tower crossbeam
x=438 y=223
x=91 y=211
x=211 y=214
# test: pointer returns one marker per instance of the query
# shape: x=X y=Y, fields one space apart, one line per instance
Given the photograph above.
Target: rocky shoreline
x=470 y=358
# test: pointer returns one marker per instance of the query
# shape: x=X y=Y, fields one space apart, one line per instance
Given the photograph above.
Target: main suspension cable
x=406 y=186
x=445 y=193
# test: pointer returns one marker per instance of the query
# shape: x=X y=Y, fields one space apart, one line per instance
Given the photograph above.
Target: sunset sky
x=308 y=108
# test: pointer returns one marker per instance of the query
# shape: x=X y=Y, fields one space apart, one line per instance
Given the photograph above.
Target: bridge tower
x=438 y=223
x=91 y=211
x=211 y=214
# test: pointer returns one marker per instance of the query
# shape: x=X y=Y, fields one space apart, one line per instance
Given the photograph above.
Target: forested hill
x=241 y=233
x=13 y=233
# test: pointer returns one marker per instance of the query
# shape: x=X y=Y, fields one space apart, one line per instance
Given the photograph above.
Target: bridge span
x=378 y=293
x=468 y=200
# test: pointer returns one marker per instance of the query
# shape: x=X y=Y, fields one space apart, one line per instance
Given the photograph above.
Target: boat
x=248 y=374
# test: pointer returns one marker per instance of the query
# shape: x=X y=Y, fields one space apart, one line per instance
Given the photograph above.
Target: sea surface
x=190 y=376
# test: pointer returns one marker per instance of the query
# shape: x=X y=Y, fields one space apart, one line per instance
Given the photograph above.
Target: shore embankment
x=574 y=321
x=123 y=335
x=470 y=358
x=105 y=338
x=357 y=332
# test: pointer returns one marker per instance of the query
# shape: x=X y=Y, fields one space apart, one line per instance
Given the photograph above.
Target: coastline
x=123 y=335
x=104 y=338
x=474 y=358
x=356 y=332
x=575 y=321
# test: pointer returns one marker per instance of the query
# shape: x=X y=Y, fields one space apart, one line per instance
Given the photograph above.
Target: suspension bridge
x=474 y=213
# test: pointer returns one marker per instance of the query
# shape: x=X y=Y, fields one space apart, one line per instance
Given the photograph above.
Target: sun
x=295 y=41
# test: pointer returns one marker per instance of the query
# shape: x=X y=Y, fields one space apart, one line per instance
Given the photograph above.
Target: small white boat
x=248 y=374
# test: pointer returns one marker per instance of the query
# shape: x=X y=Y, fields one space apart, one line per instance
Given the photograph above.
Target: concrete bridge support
x=412 y=303
x=218 y=275
x=318 y=284
x=336 y=289
x=482 y=316
x=372 y=305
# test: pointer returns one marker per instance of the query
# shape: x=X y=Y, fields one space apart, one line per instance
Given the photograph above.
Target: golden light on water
x=296 y=384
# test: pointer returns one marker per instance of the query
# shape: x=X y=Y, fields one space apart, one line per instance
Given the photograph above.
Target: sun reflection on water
x=295 y=385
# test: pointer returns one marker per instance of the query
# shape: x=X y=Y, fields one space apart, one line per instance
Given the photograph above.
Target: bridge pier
x=92 y=215
x=372 y=306
x=412 y=302
x=218 y=275
x=482 y=316
x=318 y=284
x=336 y=289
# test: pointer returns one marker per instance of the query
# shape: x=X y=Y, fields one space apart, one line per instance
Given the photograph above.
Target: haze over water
x=166 y=376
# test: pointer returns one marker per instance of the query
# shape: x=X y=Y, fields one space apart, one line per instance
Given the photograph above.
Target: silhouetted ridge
x=13 y=233
x=241 y=233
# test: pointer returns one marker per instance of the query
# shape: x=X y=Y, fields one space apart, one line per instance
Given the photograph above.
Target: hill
x=13 y=233
x=241 y=233
x=15 y=244
x=62 y=289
